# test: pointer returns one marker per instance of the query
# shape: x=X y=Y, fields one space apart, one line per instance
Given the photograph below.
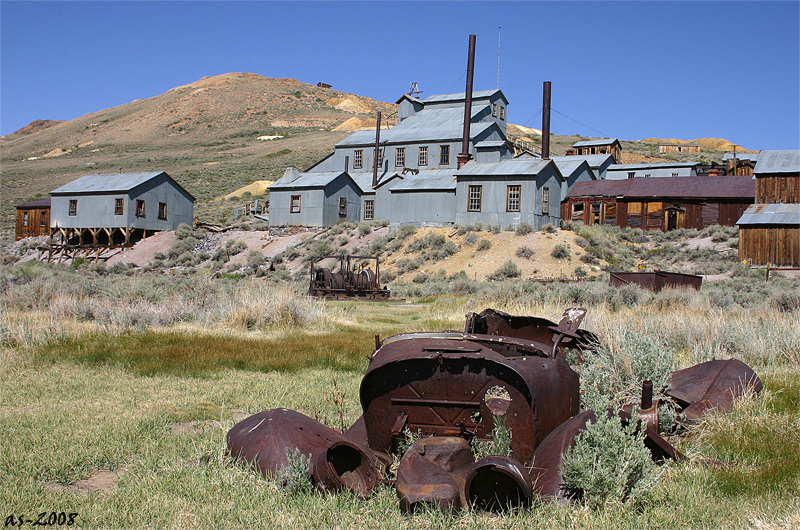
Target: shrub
x=548 y=228
x=364 y=229
x=589 y=258
x=421 y=278
x=508 y=270
x=580 y=272
x=561 y=251
x=294 y=477
x=525 y=252
x=609 y=463
x=254 y=258
x=470 y=239
x=234 y=247
x=343 y=240
x=484 y=244
x=524 y=229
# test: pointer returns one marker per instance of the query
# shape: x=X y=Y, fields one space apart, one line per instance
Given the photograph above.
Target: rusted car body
x=454 y=384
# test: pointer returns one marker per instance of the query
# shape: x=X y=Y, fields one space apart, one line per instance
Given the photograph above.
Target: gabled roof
x=590 y=143
x=42 y=203
x=778 y=162
x=315 y=179
x=569 y=167
x=711 y=187
x=429 y=124
x=460 y=96
x=410 y=98
x=771 y=214
x=508 y=167
x=111 y=183
x=593 y=160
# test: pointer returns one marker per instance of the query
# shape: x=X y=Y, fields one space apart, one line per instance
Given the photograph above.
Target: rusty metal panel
x=655 y=281
x=442 y=384
x=263 y=439
x=498 y=483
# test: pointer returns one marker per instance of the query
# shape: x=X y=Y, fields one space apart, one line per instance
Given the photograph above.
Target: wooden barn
x=769 y=231
x=667 y=203
x=33 y=219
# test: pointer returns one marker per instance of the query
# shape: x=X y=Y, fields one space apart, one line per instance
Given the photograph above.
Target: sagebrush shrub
x=295 y=477
x=561 y=251
x=524 y=229
x=525 y=252
x=484 y=244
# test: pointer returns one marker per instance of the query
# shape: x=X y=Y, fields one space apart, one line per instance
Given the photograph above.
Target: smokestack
x=464 y=156
x=377 y=151
x=546 y=120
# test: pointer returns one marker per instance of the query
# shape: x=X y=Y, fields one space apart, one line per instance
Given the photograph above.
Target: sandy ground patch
x=102 y=480
x=143 y=252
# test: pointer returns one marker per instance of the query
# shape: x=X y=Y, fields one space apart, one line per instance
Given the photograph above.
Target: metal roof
x=590 y=143
x=490 y=143
x=711 y=187
x=424 y=126
x=654 y=165
x=431 y=179
x=113 y=182
x=741 y=156
x=771 y=214
x=43 y=203
x=317 y=179
x=568 y=167
x=787 y=161
x=508 y=167
x=593 y=160
x=476 y=94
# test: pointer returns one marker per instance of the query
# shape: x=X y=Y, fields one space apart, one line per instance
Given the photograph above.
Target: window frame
x=510 y=199
x=502 y=113
x=422 y=155
x=25 y=219
x=292 y=207
x=162 y=211
x=377 y=159
x=358 y=159
x=545 y=201
x=400 y=157
x=42 y=219
x=474 y=200
x=494 y=110
x=140 y=208
x=369 y=209
x=342 y=206
x=73 y=207
x=444 y=155
x=119 y=206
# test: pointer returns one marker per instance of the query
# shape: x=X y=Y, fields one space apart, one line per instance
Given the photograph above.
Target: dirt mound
x=350 y=103
x=519 y=130
x=258 y=187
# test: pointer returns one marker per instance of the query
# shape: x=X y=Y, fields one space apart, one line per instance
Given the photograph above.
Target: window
x=162 y=211
x=502 y=113
x=674 y=174
x=545 y=201
x=24 y=218
x=358 y=159
x=631 y=174
x=342 y=206
x=118 y=206
x=423 y=156
x=369 y=210
x=593 y=150
x=444 y=155
x=73 y=207
x=400 y=157
x=295 y=204
x=577 y=211
x=380 y=157
x=494 y=109
x=43 y=219
x=474 y=199
x=139 y=208
x=610 y=214
x=512 y=198
x=634 y=214
x=648 y=175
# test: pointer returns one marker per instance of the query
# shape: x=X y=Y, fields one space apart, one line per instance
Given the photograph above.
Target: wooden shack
x=667 y=203
x=678 y=147
x=610 y=146
x=769 y=232
x=33 y=219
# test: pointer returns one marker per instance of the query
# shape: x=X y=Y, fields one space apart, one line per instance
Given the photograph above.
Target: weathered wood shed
x=660 y=203
x=114 y=208
x=33 y=219
x=610 y=146
x=769 y=231
x=678 y=147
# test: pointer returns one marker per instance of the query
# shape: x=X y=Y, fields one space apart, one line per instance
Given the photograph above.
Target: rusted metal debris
x=712 y=385
x=452 y=387
x=656 y=280
x=348 y=281
x=336 y=462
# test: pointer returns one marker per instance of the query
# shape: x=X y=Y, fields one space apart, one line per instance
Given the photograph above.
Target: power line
x=454 y=84
x=579 y=123
x=525 y=123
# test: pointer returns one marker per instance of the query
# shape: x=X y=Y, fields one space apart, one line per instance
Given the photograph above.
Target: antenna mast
x=498 y=56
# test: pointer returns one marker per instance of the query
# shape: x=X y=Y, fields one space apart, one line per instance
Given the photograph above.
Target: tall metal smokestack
x=464 y=156
x=546 y=120
x=376 y=155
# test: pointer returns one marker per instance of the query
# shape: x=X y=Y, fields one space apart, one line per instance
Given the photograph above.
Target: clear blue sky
x=630 y=70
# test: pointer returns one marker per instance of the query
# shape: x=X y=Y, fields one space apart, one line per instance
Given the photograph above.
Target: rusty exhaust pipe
x=464 y=156
x=546 y=120
x=498 y=483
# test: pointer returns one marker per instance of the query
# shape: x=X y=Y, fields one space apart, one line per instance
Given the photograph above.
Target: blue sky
x=630 y=70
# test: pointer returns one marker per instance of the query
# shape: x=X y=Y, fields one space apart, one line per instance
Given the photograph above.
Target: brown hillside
x=32 y=127
x=719 y=144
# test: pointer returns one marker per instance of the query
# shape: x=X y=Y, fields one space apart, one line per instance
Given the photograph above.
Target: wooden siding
x=777 y=246
x=38 y=223
x=773 y=189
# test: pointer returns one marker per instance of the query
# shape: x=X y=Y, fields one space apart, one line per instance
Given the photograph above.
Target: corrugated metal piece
x=590 y=143
x=515 y=166
x=660 y=165
x=307 y=180
x=786 y=161
x=656 y=280
x=669 y=187
x=44 y=203
x=771 y=214
x=461 y=96
x=434 y=124
x=112 y=182
x=432 y=179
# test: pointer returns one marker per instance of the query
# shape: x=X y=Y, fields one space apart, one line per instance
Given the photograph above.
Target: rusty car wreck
x=453 y=389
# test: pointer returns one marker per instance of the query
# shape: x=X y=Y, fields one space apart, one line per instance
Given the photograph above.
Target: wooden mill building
x=769 y=230
x=117 y=209
x=33 y=219
x=667 y=203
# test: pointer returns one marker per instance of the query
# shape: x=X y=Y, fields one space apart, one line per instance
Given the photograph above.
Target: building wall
x=311 y=206
x=38 y=222
x=420 y=208
x=778 y=246
x=623 y=173
x=98 y=210
x=339 y=188
x=774 y=189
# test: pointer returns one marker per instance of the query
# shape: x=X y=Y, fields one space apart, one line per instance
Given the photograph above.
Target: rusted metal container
x=337 y=463
x=656 y=281
x=453 y=384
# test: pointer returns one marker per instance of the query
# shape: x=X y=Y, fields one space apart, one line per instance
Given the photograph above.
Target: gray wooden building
x=657 y=169
x=115 y=208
